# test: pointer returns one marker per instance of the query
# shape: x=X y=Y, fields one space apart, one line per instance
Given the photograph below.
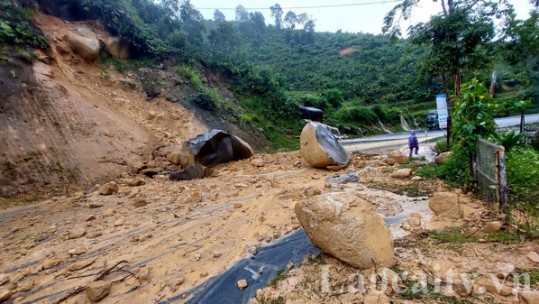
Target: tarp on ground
x=258 y=270
x=217 y=146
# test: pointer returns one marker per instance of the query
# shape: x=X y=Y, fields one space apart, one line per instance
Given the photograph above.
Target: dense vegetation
x=359 y=80
x=18 y=34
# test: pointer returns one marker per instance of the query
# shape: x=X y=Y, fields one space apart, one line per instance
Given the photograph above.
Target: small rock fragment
x=257 y=162
x=77 y=233
x=109 y=188
x=533 y=256
x=5 y=294
x=492 y=227
x=242 y=284
x=97 y=291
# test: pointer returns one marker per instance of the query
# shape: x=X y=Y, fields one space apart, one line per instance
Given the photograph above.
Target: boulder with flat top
x=347 y=227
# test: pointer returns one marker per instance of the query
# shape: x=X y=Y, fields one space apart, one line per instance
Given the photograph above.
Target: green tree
x=277 y=14
x=218 y=16
x=457 y=40
x=290 y=20
x=521 y=51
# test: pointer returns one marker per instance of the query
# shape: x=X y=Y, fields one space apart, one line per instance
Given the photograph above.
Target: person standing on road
x=413 y=143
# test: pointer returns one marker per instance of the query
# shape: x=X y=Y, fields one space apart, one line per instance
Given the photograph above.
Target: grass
x=454 y=235
x=459 y=236
x=533 y=275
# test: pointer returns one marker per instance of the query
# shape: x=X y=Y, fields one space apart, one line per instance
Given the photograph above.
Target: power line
x=302 y=7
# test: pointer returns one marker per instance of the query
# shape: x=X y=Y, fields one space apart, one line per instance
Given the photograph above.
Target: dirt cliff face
x=69 y=124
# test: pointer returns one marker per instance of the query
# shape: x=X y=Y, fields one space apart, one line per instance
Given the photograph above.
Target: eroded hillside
x=68 y=123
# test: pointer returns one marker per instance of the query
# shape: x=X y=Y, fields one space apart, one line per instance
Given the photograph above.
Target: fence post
x=502 y=180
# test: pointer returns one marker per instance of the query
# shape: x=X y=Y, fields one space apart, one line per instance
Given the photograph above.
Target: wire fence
x=489 y=171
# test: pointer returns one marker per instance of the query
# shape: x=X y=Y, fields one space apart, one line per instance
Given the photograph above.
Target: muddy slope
x=68 y=124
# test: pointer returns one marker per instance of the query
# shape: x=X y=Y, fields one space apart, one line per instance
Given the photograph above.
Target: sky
x=364 y=16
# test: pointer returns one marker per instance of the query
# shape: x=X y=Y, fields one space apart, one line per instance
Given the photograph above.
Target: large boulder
x=398 y=157
x=446 y=205
x=85 y=43
x=320 y=147
x=116 y=47
x=348 y=228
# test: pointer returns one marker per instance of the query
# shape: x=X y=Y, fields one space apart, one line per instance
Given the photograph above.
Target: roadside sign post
x=441 y=105
x=444 y=121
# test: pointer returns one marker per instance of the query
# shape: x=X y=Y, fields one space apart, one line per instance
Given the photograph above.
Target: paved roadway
x=401 y=139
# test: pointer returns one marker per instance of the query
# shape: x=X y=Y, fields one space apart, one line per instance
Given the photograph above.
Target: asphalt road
x=401 y=138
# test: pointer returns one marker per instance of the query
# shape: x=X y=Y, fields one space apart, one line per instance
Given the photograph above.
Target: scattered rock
x=90 y=218
x=375 y=298
x=534 y=257
x=258 y=162
x=4 y=279
x=417 y=178
x=51 y=262
x=402 y=173
x=94 y=234
x=119 y=222
x=97 y=291
x=195 y=197
x=135 y=182
x=398 y=157
x=442 y=157
x=109 y=188
x=77 y=251
x=528 y=297
x=5 y=294
x=389 y=161
x=467 y=212
x=76 y=233
x=204 y=274
x=311 y=191
x=94 y=205
x=253 y=250
x=216 y=254
x=343 y=178
x=26 y=286
x=347 y=227
x=446 y=205
x=81 y=264
x=144 y=274
x=139 y=203
x=490 y=286
x=492 y=227
x=242 y=284
x=192 y=172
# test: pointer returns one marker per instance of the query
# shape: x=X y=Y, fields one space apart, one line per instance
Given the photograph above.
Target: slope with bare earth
x=67 y=122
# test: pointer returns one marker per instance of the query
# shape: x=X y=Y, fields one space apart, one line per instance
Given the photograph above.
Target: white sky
x=366 y=18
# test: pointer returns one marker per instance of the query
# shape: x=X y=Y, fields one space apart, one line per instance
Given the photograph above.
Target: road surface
x=401 y=138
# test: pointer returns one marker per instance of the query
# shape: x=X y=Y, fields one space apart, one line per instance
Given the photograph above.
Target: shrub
x=523 y=176
x=17 y=28
x=440 y=146
x=456 y=169
x=534 y=141
x=508 y=140
x=332 y=97
x=358 y=114
x=193 y=76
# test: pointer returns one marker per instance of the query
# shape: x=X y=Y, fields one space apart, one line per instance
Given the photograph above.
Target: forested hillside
x=359 y=80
